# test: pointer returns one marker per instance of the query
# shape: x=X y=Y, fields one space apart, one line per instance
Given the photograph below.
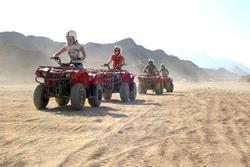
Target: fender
x=132 y=77
x=170 y=80
x=38 y=73
x=158 y=79
x=126 y=77
x=97 y=79
x=80 y=76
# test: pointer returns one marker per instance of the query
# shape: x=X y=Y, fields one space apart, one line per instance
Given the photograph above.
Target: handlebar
x=156 y=73
x=59 y=61
x=107 y=65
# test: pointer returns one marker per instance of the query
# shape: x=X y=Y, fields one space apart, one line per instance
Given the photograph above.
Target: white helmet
x=72 y=33
x=118 y=48
x=150 y=61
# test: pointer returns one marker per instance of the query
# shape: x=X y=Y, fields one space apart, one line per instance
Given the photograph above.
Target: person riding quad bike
x=150 y=68
x=117 y=59
x=151 y=80
x=167 y=81
x=118 y=80
x=75 y=50
x=164 y=71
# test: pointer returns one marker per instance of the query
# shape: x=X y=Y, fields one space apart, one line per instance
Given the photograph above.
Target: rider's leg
x=79 y=66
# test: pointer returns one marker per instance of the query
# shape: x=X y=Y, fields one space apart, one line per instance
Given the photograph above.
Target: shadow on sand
x=167 y=94
x=86 y=111
x=135 y=102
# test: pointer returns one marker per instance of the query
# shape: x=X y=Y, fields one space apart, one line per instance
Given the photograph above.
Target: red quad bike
x=118 y=81
x=66 y=83
x=150 y=82
x=168 y=83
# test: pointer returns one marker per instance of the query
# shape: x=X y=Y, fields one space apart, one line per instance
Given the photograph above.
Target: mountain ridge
x=39 y=49
x=205 y=61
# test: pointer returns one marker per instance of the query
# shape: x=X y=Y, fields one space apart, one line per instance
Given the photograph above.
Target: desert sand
x=201 y=124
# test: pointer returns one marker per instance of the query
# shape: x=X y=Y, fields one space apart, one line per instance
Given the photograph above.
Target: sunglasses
x=70 y=38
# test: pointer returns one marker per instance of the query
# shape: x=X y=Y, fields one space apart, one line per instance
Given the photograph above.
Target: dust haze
x=205 y=122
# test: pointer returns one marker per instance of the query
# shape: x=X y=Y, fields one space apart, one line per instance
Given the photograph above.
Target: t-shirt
x=151 y=69
x=74 y=52
x=164 y=72
x=117 y=60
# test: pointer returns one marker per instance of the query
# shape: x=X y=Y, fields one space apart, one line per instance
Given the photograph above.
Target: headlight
x=44 y=74
x=68 y=75
x=39 y=80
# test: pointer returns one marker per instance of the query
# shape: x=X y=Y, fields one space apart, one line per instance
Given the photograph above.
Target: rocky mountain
x=204 y=61
x=221 y=74
x=20 y=55
x=239 y=71
x=245 y=78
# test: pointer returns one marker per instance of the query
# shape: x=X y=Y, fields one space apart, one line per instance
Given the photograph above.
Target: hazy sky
x=217 y=28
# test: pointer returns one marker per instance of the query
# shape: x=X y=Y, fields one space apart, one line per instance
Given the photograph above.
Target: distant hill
x=205 y=61
x=245 y=78
x=20 y=55
x=221 y=74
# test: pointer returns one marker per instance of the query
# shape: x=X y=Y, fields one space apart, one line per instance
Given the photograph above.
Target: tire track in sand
x=110 y=130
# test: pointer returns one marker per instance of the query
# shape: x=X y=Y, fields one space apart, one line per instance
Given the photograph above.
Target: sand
x=201 y=124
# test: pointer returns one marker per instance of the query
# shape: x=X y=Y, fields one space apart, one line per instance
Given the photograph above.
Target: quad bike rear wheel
x=170 y=87
x=62 y=101
x=96 y=100
x=165 y=86
x=124 y=91
x=132 y=91
x=158 y=89
x=142 y=89
x=39 y=99
x=78 y=96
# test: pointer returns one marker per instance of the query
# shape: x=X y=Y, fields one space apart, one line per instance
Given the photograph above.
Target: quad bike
x=150 y=82
x=168 y=83
x=118 y=81
x=66 y=83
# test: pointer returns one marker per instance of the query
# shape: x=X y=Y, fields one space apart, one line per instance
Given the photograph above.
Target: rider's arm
x=145 y=69
x=121 y=63
x=83 y=53
x=110 y=60
x=60 y=52
x=156 y=70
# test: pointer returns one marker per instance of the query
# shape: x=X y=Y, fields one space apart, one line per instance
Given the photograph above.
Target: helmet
x=150 y=61
x=71 y=33
x=117 y=48
x=163 y=66
x=71 y=37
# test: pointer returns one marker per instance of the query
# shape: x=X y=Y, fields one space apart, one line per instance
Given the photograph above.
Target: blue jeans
x=79 y=66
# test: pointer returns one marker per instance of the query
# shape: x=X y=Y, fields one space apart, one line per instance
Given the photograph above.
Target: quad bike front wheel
x=158 y=89
x=132 y=91
x=170 y=87
x=124 y=92
x=78 y=96
x=96 y=100
x=62 y=101
x=142 y=89
x=39 y=99
x=165 y=86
